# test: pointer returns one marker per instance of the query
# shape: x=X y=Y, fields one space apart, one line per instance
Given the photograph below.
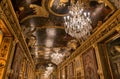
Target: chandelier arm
x=78 y=22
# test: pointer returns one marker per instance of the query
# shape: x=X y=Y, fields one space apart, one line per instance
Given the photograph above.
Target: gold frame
x=90 y=63
x=112 y=38
x=110 y=6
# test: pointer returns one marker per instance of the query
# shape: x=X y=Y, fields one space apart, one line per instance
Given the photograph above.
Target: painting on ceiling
x=59 y=6
x=28 y=8
x=90 y=65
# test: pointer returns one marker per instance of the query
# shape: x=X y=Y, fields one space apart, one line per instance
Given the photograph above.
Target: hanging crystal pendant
x=78 y=22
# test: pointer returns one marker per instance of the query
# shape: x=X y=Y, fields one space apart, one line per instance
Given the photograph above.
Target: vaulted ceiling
x=42 y=24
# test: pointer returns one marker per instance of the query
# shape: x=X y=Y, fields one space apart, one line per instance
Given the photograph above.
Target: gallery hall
x=59 y=39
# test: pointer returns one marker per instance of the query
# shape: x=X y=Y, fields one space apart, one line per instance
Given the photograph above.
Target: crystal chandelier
x=78 y=22
x=57 y=57
x=48 y=71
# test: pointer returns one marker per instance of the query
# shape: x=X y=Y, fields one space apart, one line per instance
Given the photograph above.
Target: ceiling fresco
x=58 y=6
x=42 y=24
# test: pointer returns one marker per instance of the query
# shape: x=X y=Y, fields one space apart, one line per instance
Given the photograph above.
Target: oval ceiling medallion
x=58 y=7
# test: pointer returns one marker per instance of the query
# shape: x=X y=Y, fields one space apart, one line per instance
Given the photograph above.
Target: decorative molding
x=118 y=29
x=8 y=15
x=49 y=8
x=2 y=63
x=104 y=30
x=100 y=68
x=99 y=71
x=4 y=53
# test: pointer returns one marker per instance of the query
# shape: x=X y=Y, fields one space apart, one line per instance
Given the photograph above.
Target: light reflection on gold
x=1 y=36
x=51 y=2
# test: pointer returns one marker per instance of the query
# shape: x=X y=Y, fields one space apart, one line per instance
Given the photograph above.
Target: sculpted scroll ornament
x=38 y=10
x=4 y=50
x=2 y=66
x=2 y=63
x=4 y=47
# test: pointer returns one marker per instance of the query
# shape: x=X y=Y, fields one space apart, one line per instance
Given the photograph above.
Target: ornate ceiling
x=42 y=25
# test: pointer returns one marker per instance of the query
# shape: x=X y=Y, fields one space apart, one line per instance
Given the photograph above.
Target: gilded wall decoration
x=1 y=35
x=21 y=68
x=90 y=65
x=71 y=71
x=78 y=75
x=26 y=70
x=7 y=14
x=30 y=71
x=4 y=51
x=62 y=73
x=116 y=3
x=5 y=47
x=17 y=64
x=2 y=63
x=78 y=67
x=2 y=66
x=66 y=72
x=113 y=49
x=77 y=62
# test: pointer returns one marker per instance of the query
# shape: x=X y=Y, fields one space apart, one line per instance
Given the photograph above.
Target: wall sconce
x=1 y=36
